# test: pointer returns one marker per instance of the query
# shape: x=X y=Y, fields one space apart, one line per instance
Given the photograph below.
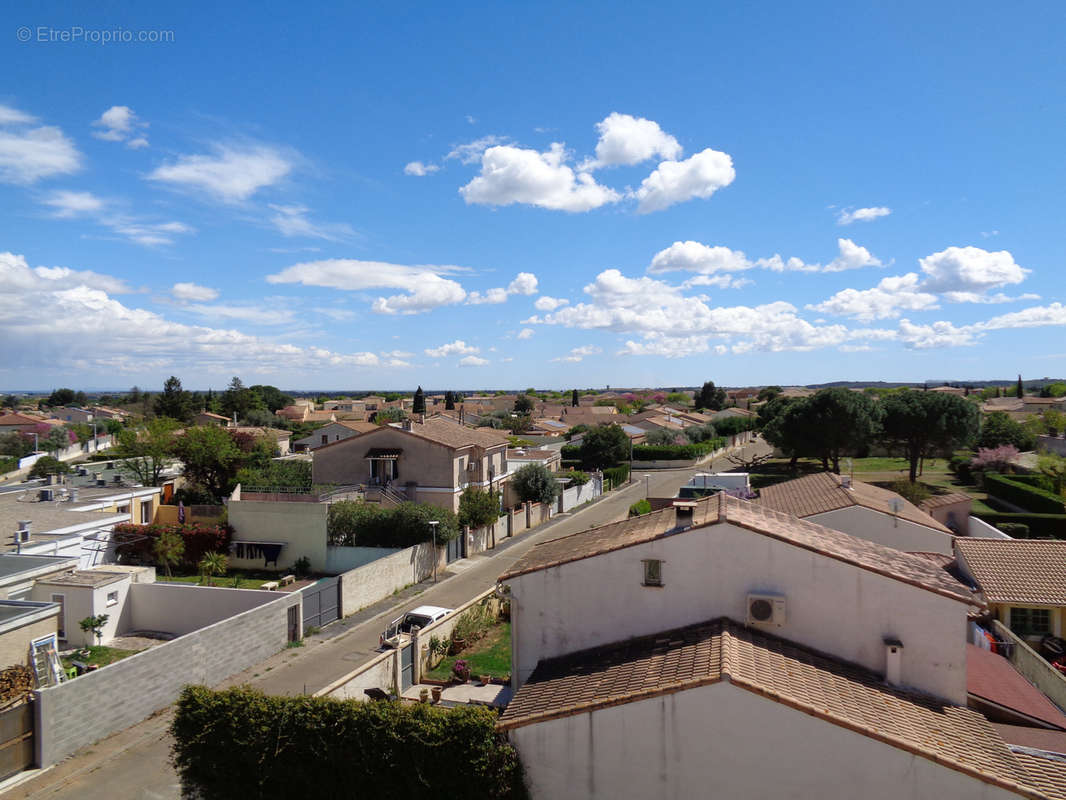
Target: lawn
x=879 y=470
x=490 y=655
x=99 y=655
x=243 y=580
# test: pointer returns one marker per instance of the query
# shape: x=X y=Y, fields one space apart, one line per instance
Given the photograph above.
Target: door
x=16 y=739
x=407 y=667
x=294 y=623
x=61 y=599
x=455 y=549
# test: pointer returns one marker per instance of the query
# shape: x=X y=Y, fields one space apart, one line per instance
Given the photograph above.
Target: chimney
x=24 y=525
x=845 y=481
x=73 y=494
x=683 y=510
x=422 y=419
x=893 y=660
x=407 y=424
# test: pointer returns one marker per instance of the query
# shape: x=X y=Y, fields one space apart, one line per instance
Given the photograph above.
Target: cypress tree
x=1021 y=390
x=419 y=405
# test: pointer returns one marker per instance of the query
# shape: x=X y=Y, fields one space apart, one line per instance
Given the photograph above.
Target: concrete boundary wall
x=380 y=672
x=366 y=585
x=573 y=496
x=1029 y=663
x=443 y=628
x=980 y=529
x=82 y=711
x=345 y=559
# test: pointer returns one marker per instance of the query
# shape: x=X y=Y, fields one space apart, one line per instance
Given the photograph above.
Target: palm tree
x=213 y=564
x=168 y=549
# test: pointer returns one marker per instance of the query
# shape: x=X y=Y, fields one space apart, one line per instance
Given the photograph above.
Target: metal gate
x=407 y=667
x=322 y=603
x=16 y=739
x=455 y=548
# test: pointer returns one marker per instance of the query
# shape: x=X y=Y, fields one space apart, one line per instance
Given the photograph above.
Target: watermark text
x=77 y=34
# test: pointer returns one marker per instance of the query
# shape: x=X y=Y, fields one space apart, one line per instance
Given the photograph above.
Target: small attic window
x=653 y=572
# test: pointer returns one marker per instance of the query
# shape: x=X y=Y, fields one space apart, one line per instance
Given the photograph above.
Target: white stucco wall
x=721 y=741
x=885 y=529
x=832 y=606
x=179 y=608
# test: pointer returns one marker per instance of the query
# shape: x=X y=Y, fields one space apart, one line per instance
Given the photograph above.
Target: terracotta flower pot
x=423 y=696
x=437 y=690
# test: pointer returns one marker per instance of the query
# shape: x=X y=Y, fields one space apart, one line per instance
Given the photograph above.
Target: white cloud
x=546 y=303
x=456 y=348
x=890 y=298
x=490 y=297
x=1037 y=316
x=192 y=292
x=580 y=353
x=961 y=272
x=471 y=152
x=524 y=283
x=231 y=174
x=71 y=204
x=12 y=116
x=672 y=182
x=525 y=333
x=50 y=315
x=29 y=154
x=473 y=361
x=425 y=285
x=848 y=216
x=725 y=281
x=293 y=220
x=255 y=314
x=419 y=169
x=514 y=175
x=149 y=234
x=852 y=256
x=936 y=334
x=657 y=344
x=627 y=140
x=121 y=124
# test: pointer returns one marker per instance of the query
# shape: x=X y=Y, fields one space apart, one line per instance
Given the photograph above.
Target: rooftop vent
x=46 y=495
x=893 y=660
x=683 y=511
x=73 y=494
x=845 y=481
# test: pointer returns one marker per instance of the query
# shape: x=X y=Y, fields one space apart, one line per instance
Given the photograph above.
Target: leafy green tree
x=83 y=431
x=998 y=428
x=604 y=446
x=61 y=397
x=174 y=402
x=841 y=422
x=573 y=399
x=1057 y=389
x=710 y=397
x=239 y=399
x=1054 y=422
x=535 y=483
x=788 y=428
x=47 y=465
x=146 y=451
x=94 y=626
x=11 y=401
x=270 y=397
x=1054 y=466
x=768 y=393
x=925 y=424
x=277 y=474
x=211 y=565
x=661 y=437
x=15 y=444
x=168 y=549
x=57 y=439
x=211 y=459
x=259 y=417
x=678 y=398
x=523 y=404
x=418 y=406
x=478 y=507
x=702 y=433
x=387 y=415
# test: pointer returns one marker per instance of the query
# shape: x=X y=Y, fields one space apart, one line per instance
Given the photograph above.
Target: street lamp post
x=647 y=486
x=433 y=527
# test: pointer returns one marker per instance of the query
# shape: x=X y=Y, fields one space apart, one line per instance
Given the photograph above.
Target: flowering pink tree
x=994 y=459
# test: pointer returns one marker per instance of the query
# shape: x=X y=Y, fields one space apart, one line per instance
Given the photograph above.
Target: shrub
x=994 y=459
x=1015 y=530
x=1029 y=497
x=478 y=507
x=576 y=476
x=640 y=507
x=473 y=624
x=678 y=452
x=8 y=464
x=535 y=483
x=617 y=475
x=1041 y=526
x=243 y=743
x=47 y=465
x=960 y=465
x=354 y=523
x=198 y=540
x=276 y=475
x=911 y=492
x=571 y=452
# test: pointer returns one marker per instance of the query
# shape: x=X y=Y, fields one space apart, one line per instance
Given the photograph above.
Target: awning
x=384 y=452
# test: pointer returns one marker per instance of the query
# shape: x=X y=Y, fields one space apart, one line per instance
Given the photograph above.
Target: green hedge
x=243 y=743
x=675 y=452
x=572 y=451
x=8 y=464
x=1041 y=526
x=355 y=523
x=617 y=475
x=1032 y=498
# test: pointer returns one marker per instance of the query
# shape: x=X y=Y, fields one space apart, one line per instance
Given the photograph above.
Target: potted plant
x=461 y=671
x=423 y=695
x=486 y=680
x=437 y=693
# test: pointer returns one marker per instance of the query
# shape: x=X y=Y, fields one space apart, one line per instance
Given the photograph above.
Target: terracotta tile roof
x=941 y=500
x=441 y=430
x=833 y=690
x=1029 y=571
x=355 y=425
x=822 y=492
x=942 y=560
x=993 y=678
x=720 y=508
x=1044 y=772
x=18 y=419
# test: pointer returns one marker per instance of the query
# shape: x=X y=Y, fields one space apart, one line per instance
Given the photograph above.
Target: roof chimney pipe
x=893 y=661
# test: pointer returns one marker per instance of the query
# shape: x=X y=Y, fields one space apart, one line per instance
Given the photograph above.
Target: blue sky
x=549 y=195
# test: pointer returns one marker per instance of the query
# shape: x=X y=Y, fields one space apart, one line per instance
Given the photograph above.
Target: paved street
x=134 y=763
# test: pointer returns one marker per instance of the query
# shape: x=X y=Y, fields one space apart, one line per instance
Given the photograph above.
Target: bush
x=617 y=475
x=1032 y=498
x=478 y=507
x=535 y=483
x=576 y=476
x=199 y=540
x=571 y=452
x=677 y=452
x=354 y=523
x=276 y=475
x=640 y=507
x=1041 y=526
x=1015 y=530
x=47 y=465
x=960 y=465
x=473 y=624
x=911 y=492
x=8 y=464
x=243 y=743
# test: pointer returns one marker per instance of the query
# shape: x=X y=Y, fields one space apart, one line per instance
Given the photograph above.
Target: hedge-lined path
x=134 y=763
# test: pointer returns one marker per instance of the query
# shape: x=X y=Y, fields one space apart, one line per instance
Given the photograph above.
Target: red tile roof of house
x=824 y=491
x=832 y=690
x=1025 y=571
x=993 y=678
x=721 y=508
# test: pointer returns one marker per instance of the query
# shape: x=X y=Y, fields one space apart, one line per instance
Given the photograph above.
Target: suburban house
x=744 y=653
x=71 y=414
x=427 y=462
x=518 y=457
x=333 y=432
x=860 y=509
x=206 y=417
x=1022 y=580
x=20 y=422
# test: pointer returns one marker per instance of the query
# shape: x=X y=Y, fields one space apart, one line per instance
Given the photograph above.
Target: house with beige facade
x=426 y=462
x=718 y=648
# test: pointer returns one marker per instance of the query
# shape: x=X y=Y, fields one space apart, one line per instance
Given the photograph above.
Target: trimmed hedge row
x=1030 y=497
x=676 y=452
x=1041 y=526
x=617 y=475
x=243 y=743
x=199 y=540
x=572 y=451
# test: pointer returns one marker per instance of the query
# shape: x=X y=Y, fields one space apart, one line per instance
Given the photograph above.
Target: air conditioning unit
x=22 y=536
x=766 y=609
x=471 y=467
x=46 y=495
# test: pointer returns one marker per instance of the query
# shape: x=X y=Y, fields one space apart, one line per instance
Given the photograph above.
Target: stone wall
x=82 y=711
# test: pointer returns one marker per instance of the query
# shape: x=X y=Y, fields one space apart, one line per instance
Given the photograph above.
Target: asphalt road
x=135 y=763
